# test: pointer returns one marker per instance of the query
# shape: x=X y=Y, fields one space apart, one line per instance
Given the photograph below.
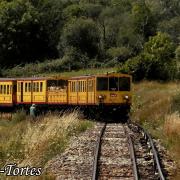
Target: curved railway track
x=126 y=152
x=112 y=151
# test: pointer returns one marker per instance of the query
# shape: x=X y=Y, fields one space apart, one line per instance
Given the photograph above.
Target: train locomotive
x=110 y=92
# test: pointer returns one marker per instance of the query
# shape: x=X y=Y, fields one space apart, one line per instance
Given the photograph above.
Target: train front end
x=113 y=93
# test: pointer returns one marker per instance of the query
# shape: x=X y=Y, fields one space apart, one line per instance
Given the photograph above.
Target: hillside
x=137 y=37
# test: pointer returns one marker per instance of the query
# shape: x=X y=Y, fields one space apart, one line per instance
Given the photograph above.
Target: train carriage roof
x=7 y=79
x=33 y=78
x=63 y=78
x=99 y=75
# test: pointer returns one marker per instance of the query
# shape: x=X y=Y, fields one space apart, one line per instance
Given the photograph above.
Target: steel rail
x=133 y=156
x=154 y=151
x=96 y=157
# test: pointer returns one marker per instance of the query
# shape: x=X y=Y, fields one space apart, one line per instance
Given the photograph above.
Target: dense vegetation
x=139 y=36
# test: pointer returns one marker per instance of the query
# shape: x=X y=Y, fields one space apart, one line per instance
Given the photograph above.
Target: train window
x=7 y=89
x=34 y=84
x=72 y=90
x=52 y=85
x=90 y=86
x=113 y=84
x=0 y=89
x=85 y=86
x=19 y=86
x=73 y=86
x=124 y=84
x=70 y=86
x=29 y=87
x=76 y=86
x=41 y=86
x=26 y=85
x=102 y=84
x=4 y=89
x=82 y=87
x=10 y=89
x=37 y=86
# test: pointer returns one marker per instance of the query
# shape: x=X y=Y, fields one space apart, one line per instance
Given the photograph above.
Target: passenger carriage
x=7 y=92
x=109 y=92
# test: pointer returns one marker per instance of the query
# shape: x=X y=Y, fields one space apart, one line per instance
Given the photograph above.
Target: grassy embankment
x=34 y=143
x=157 y=107
x=50 y=68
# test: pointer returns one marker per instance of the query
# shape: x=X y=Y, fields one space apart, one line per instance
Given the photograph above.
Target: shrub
x=120 y=53
x=156 y=61
x=20 y=115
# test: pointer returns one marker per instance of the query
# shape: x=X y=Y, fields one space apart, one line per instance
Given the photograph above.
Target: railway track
x=126 y=152
x=112 y=157
x=109 y=151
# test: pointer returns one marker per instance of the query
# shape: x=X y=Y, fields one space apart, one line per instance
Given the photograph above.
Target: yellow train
x=111 y=91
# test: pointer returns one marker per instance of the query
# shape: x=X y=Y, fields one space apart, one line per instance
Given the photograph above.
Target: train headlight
x=126 y=97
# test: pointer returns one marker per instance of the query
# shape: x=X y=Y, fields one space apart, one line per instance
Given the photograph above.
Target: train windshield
x=102 y=84
x=113 y=84
x=124 y=84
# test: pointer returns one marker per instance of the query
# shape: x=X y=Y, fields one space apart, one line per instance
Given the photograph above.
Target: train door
x=82 y=92
x=27 y=92
x=13 y=89
x=91 y=91
x=73 y=92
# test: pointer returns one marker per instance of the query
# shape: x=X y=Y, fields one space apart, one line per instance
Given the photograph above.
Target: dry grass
x=172 y=124
x=156 y=107
x=34 y=143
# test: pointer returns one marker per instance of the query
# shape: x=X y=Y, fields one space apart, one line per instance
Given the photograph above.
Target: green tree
x=21 y=36
x=172 y=27
x=74 y=10
x=119 y=53
x=74 y=60
x=177 y=52
x=52 y=21
x=143 y=19
x=158 y=56
x=160 y=47
x=83 y=34
x=156 y=61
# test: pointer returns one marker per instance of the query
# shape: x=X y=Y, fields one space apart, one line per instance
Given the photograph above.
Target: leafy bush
x=156 y=61
x=120 y=53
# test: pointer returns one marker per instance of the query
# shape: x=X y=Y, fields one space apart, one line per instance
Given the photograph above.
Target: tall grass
x=156 y=106
x=34 y=143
